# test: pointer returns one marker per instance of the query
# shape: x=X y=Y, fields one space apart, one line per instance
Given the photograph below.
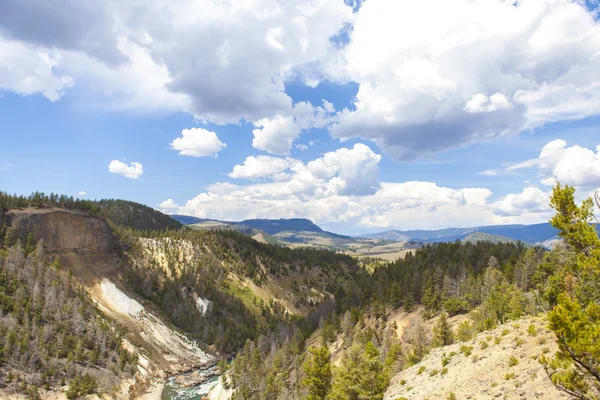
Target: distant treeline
x=120 y=212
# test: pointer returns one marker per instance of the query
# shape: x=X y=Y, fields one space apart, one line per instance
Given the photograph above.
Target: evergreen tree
x=575 y=320
x=318 y=373
x=442 y=333
x=361 y=375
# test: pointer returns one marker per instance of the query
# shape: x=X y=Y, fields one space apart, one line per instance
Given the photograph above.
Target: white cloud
x=489 y=172
x=198 y=142
x=221 y=61
x=523 y=165
x=168 y=206
x=357 y=168
x=482 y=103
x=531 y=199
x=82 y=193
x=471 y=71
x=301 y=147
x=275 y=135
x=262 y=167
x=575 y=165
x=28 y=70
x=343 y=188
x=134 y=170
x=406 y=205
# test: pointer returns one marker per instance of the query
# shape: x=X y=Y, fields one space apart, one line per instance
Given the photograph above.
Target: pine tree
x=318 y=373
x=442 y=333
x=361 y=375
x=575 y=320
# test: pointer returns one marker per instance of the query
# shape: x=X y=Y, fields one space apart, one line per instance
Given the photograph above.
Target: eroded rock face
x=63 y=231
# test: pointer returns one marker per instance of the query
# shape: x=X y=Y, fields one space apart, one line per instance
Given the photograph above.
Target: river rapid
x=176 y=389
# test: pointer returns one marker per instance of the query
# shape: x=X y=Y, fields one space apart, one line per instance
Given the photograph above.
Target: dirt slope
x=503 y=363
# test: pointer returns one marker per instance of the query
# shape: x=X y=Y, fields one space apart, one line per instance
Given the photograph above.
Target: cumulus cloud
x=134 y=170
x=221 y=72
x=471 y=71
x=82 y=193
x=531 y=199
x=406 y=205
x=262 y=167
x=198 y=142
x=343 y=188
x=168 y=206
x=26 y=70
x=482 y=103
x=575 y=165
x=275 y=135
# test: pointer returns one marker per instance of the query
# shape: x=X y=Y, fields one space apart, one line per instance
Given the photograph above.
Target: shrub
x=80 y=386
x=512 y=361
x=451 y=396
x=505 y=332
x=434 y=372
x=483 y=345
x=444 y=371
x=532 y=330
x=497 y=340
x=519 y=342
x=422 y=369
x=466 y=350
x=456 y=306
x=509 y=376
x=465 y=331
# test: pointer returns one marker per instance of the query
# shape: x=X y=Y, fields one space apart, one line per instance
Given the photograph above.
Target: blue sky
x=464 y=118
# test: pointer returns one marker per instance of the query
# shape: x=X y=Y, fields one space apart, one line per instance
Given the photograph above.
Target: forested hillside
x=50 y=330
x=489 y=284
x=120 y=212
x=301 y=323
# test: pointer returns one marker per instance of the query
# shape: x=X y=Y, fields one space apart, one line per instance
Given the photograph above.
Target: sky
x=362 y=116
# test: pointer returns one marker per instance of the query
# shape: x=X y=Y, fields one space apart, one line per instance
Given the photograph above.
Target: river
x=174 y=391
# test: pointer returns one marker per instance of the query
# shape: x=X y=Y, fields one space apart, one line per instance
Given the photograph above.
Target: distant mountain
x=392 y=236
x=273 y=226
x=526 y=233
x=186 y=219
x=487 y=237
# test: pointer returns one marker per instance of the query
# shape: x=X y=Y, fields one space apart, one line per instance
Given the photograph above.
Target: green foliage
x=442 y=333
x=466 y=350
x=455 y=306
x=50 y=327
x=531 y=330
x=465 y=331
x=575 y=319
x=512 y=361
x=361 y=375
x=80 y=386
x=318 y=374
x=422 y=369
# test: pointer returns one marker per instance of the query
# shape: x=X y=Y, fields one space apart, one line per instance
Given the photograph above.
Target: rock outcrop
x=63 y=231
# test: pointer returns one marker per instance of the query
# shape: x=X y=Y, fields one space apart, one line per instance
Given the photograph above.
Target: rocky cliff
x=63 y=231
